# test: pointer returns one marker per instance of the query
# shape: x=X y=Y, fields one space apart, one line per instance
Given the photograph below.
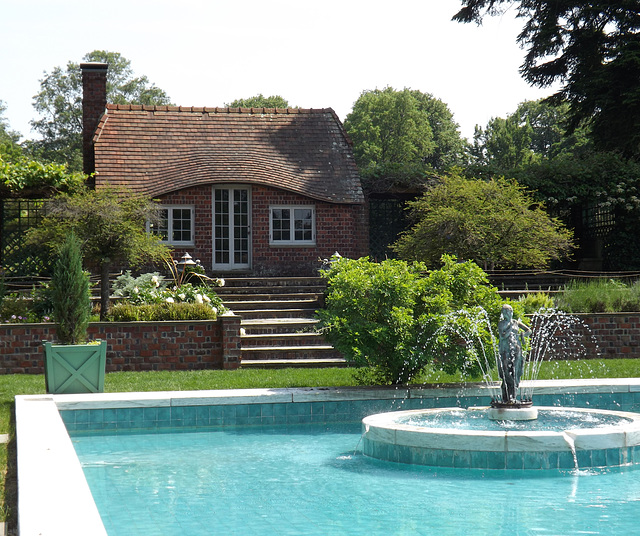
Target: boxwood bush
x=387 y=317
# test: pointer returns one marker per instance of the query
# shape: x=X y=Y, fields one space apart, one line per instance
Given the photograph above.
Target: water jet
x=511 y=432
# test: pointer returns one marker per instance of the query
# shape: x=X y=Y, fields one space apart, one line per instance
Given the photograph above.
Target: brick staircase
x=278 y=321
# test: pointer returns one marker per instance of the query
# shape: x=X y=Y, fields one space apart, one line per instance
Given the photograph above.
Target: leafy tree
x=110 y=226
x=548 y=122
x=504 y=144
x=593 y=49
x=9 y=140
x=450 y=148
x=260 y=101
x=535 y=131
x=496 y=223
x=390 y=127
x=59 y=103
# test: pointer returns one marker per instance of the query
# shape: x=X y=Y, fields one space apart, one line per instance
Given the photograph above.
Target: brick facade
x=136 y=346
x=339 y=227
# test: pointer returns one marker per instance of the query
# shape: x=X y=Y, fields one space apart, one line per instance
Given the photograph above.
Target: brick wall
x=339 y=227
x=200 y=197
x=615 y=335
x=216 y=344
x=196 y=345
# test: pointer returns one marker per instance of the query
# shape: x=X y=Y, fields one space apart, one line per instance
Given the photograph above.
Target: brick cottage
x=246 y=191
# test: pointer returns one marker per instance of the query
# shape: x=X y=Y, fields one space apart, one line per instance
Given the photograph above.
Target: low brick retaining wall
x=615 y=335
x=192 y=345
x=206 y=344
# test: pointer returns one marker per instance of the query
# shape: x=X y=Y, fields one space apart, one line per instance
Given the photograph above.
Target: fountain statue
x=510 y=362
x=511 y=333
x=492 y=437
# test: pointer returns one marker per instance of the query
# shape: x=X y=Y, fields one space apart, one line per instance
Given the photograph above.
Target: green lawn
x=13 y=385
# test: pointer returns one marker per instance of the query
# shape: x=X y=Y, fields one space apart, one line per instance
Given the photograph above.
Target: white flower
x=199 y=298
x=215 y=310
x=220 y=282
x=136 y=290
x=155 y=280
x=206 y=298
x=169 y=300
x=182 y=296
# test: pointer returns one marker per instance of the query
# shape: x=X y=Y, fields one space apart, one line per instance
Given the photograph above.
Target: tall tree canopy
x=407 y=127
x=260 y=101
x=593 y=48
x=59 y=104
x=535 y=131
x=495 y=223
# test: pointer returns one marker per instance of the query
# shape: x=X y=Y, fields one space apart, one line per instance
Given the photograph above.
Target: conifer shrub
x=69 y=294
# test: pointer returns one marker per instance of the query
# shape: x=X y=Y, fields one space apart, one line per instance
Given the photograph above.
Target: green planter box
x=75 y=368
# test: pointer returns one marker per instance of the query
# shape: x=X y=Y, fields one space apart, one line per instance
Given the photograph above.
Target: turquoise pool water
x=309 y=479
x=557 y=420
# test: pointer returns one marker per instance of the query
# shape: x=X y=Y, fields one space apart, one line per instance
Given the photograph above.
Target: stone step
x=293 y=363
x=274 y=326
x=278 y=321
x=283 y=340
x=274 y=313
x=273 y=282
x=289 y=352
x=257 y=305
x=247 y=295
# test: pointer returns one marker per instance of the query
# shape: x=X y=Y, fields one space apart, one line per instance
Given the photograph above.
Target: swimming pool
x=306 y=479
x=267 y=486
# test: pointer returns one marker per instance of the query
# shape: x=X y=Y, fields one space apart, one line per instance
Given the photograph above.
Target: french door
x=231 y=228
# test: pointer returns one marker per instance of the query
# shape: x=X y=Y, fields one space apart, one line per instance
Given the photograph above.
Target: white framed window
x=175 y=225
x=292 y=224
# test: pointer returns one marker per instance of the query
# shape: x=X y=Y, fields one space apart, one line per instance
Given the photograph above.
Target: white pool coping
x=53 y=495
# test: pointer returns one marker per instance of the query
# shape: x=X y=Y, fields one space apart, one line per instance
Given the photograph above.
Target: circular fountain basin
x=560 y=438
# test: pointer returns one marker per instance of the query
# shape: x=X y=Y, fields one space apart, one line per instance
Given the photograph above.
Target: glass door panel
x=231 y=228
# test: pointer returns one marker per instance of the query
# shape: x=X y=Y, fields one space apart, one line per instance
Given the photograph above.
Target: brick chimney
x=94 y=102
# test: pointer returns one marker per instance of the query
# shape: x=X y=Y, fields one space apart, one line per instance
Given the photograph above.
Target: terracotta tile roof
x=158 y=149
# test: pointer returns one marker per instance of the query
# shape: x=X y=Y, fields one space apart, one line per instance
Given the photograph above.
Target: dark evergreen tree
x=593 y=49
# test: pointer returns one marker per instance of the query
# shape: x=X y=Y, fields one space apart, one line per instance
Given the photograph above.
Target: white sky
x=314 y=54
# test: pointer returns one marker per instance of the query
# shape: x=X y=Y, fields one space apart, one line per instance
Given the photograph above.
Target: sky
x=314 y=54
